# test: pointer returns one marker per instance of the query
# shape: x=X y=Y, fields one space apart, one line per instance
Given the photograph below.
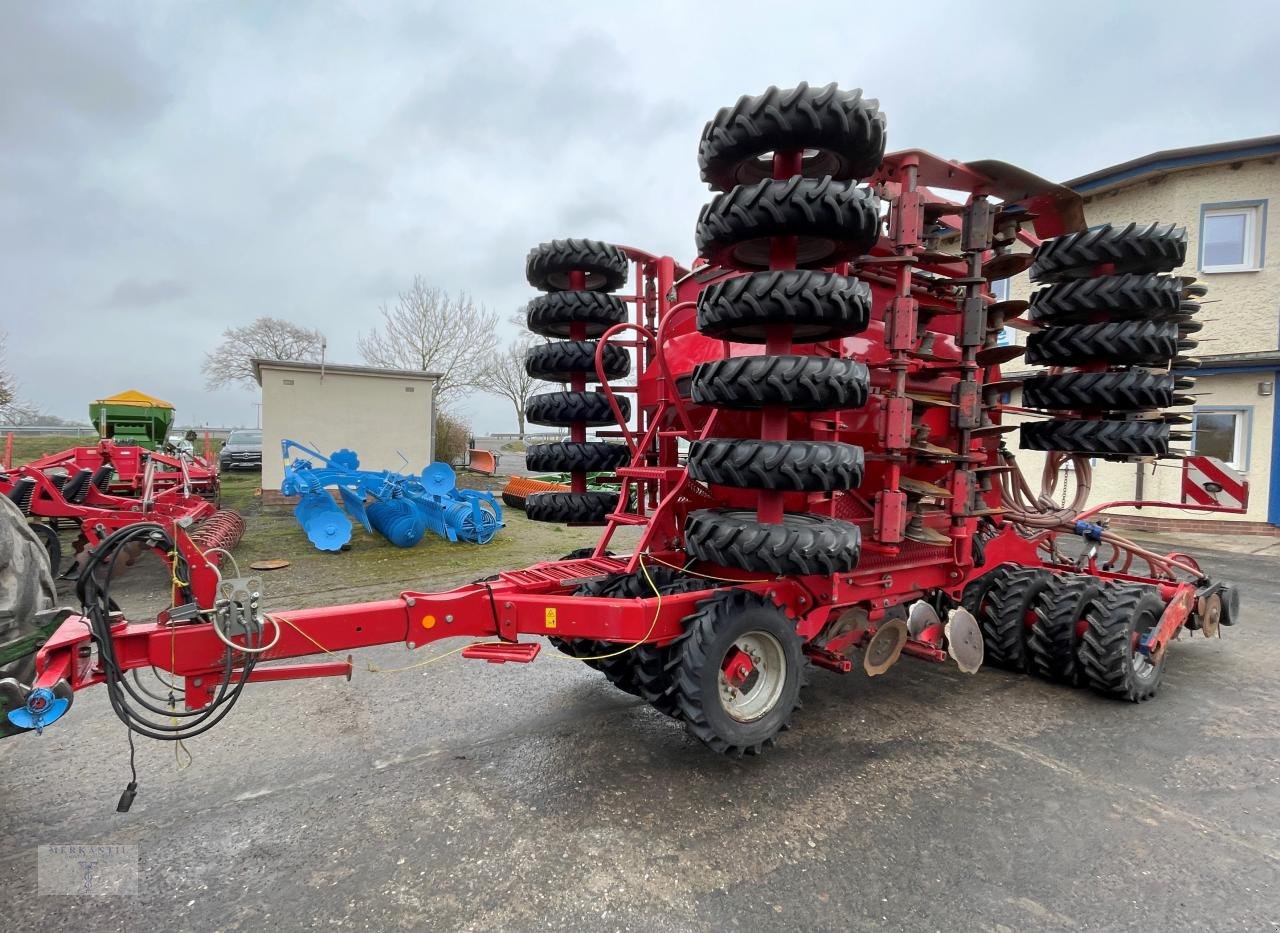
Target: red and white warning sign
x=1209 y=481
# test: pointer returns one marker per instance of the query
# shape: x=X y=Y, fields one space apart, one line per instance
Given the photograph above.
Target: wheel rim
x=1143 y=666
x=769 y=663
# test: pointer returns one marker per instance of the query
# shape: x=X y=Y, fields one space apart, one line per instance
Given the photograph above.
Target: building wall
x=1241 y=314
x=375 y=415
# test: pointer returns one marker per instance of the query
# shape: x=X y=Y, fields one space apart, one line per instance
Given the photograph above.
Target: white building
x=387 y=416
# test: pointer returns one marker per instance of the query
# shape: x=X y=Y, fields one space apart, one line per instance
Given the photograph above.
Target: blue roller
x=326 y=525
x=399 y=521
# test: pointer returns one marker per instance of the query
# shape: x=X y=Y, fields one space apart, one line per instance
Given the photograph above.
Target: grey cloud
x=138 y=293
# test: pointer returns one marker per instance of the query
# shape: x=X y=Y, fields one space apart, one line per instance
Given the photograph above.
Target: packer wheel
x=1121 y=249
x=562 y=360
x=554 y=314
x=801 y=544
x=562 y=409
x=841 y=133
x=1120 y=439
x=832 y=221
x=801 y=383
x=817 y=305
x=809 y=466
x=548 y=265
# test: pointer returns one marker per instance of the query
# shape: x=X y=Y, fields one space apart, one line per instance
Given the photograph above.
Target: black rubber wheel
x=1127 y=391
x=1128 y=248
x=572 y=457
x=802 y=383
x=1109 y=659
x=561 y=360
x=801 y=544
x=562 y=409
x=748 y=463
x=548 y=265
x=818 y=305
x=1118 y=297
x=1105 y=439
x=554 y=314
x=576 y=508
x=1007 y=612
x=585 y=649
x=841 y=133
x=745 y=720
x=1125 y=343
x=833 y=221
x=1052 y=642
x=26 y=587
x=511 y=500
x=52 y=545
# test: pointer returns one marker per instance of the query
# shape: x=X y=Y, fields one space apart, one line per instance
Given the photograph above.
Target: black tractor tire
x=1107 y=439
x=817 y=305
x=720 y=623
x=1122 y=249
x=803 y=466
x=511 y=500
x=1006 y=614
x=1124 y=343
x=580 y=553
x=574 y=456
x=548 y=265
x=1114 y=297
x=586 y=649
x=801 y=383
x=48 y=536
x=1052 y=643
x=570 y=508
x=841 y=133
x=801 y=544
x=1126 y=391
x=554 y=314
x=833 y=221
x=562 y=409
x=562 y=360
x=26 y=587
x=1109 y=659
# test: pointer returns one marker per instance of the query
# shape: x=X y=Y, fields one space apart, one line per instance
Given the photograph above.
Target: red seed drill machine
x=830 y=364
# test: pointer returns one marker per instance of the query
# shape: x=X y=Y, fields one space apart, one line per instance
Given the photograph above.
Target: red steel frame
x=129 y=462
x=539 y=600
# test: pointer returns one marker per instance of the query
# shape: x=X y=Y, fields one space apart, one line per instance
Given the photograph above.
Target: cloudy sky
x=170 y=169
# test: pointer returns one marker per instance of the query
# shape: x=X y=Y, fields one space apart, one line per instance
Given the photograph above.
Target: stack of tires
x=1108 y=310
x=577 y=277
x=840 y=139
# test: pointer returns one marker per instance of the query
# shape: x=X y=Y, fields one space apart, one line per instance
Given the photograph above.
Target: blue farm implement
x=400 y=508
x=830 y=361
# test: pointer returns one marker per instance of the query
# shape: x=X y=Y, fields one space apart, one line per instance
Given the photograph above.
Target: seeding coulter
x=830 y=362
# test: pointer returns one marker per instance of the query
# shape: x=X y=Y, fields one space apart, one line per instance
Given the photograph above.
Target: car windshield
x=244 y=438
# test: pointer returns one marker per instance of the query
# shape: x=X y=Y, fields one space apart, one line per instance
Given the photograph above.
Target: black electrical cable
x=98 y=607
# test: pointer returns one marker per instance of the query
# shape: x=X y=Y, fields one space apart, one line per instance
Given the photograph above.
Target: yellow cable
x=371 y=668
x=694 y=573
x=657 y=611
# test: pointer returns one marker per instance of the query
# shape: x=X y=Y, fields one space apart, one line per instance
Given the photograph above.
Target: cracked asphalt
x=467 y=796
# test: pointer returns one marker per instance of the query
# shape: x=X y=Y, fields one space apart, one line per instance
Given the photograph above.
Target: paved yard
x=483 y=797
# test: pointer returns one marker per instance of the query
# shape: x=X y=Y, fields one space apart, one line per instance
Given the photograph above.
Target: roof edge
x=346 y=369
x=1170 y=160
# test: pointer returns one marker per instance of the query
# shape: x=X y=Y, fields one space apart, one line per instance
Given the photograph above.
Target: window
x=1231 y=236
x=1222 y=433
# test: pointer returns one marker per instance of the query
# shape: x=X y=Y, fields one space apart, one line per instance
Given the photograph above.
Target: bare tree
x=267 y=338
x=507 y=377
x=8 y=388
x=429 y=330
